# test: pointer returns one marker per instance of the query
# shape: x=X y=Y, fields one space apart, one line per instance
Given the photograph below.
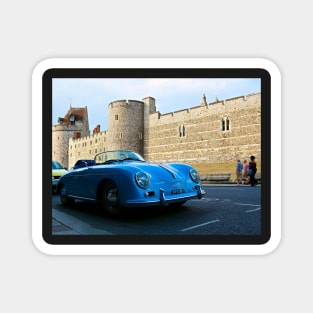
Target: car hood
x=163 y=171
x=59 y=172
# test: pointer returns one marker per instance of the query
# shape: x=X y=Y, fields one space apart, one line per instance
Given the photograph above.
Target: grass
x=220 y=168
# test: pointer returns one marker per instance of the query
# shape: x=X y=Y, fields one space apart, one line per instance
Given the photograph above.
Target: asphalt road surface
x=224 y=210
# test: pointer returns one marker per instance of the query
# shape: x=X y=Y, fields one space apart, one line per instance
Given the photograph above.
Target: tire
x=65 y=200
x=110 y=199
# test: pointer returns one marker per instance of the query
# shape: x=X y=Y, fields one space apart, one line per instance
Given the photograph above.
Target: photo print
x=156 y=156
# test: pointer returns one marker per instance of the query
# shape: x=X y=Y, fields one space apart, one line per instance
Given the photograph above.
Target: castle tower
x=126 y=125
x=73 y=125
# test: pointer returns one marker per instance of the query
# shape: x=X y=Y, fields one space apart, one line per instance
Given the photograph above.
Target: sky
x=170 y=94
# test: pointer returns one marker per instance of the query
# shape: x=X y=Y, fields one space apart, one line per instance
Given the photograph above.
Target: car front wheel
x=111 y=199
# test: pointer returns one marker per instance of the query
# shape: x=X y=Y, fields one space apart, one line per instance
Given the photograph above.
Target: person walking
x=239 y=167
x=252 y=171
x=245 y=172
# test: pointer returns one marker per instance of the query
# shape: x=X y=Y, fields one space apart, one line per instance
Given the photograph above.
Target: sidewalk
x=61 y=220
x=60 y=229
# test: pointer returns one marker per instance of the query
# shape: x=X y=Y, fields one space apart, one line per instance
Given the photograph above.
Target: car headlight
x=142 y=180
x=194 y=175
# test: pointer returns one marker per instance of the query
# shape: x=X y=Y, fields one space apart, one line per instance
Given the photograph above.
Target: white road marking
x=258 y=209
x=247 y=204
x=200 y=225
x=205 y=200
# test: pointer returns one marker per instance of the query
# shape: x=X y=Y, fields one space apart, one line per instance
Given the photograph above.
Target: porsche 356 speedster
x=121 y=179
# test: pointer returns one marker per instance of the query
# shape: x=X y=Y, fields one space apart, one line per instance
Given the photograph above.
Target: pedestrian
x=252 y=171
x=239 y=167
x=245 y=172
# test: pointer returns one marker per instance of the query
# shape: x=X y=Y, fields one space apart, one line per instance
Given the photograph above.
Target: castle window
x=121 y=135
x=140 y=135
x=225 y=124
x=182 y=131
x=91 y=142
x=116 y=117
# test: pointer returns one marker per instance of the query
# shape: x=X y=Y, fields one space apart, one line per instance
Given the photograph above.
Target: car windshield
x=116 y=156
x=56 y=165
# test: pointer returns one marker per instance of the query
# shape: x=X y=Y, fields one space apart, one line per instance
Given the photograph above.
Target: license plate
x=178 y=191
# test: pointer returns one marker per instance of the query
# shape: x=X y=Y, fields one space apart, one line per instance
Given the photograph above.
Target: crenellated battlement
x=210 y=108
x=124 y=103
x=89 y=137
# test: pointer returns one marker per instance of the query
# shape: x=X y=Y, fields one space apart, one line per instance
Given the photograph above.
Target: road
x=224 y=210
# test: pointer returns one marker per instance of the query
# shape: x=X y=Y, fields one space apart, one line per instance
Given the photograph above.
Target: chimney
x=77 y=135
x=96 y=129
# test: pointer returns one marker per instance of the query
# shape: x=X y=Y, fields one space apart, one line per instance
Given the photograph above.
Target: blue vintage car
x=122 y=178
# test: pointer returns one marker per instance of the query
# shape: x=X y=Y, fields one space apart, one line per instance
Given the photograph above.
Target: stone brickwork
x=87 y=147
x=198 y=135
x=126 y=120
x=217 y=132
x=73 y=125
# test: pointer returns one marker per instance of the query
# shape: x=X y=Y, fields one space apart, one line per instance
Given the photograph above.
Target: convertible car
x=120 y=179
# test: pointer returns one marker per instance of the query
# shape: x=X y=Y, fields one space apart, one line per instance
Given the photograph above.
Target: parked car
x=82 y=163
x=57 y=171
x=121 y=179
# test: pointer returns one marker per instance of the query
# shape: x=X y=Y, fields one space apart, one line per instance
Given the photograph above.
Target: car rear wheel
x=65 y=200
x=111 y=199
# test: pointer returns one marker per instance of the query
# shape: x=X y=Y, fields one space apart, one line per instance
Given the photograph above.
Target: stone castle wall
x=196 y=135
x=209 y=133
x=87 y=147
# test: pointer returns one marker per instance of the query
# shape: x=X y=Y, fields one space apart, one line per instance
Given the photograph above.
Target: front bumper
x=169 y=199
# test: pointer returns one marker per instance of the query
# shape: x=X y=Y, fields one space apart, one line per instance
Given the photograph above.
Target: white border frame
x=155 y=63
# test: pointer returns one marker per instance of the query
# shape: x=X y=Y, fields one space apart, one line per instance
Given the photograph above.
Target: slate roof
x=80 y=115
